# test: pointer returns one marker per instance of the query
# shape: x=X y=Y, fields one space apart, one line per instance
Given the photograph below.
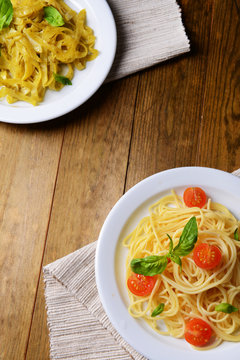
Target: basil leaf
x=226 y=308
x=6 y=13
x=159 y=309
x=236 y=236
x=53 y=16
x=150 y=265
x=62 y=79
x=176 y=259
x=187 y=239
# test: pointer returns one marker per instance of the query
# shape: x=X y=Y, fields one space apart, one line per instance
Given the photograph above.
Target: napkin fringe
x=148 y=32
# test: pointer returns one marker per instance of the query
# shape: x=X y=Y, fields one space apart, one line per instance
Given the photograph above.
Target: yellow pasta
x=192 y=292
x=32 y=50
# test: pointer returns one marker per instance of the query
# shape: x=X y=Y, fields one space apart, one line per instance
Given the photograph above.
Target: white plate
x=110 y=258
x=85 y=83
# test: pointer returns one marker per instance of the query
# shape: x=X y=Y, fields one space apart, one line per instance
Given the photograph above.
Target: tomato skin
x=141 y=285
x=194 y=197
x=207 y=256
x=198 y=332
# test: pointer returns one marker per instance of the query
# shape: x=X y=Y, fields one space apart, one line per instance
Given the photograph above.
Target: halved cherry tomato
x=207 y=256
x=194 y=196
x=141 y=285
x=198 y=332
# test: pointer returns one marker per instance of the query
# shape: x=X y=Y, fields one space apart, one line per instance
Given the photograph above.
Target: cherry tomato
x=198 y=332
x=207 y=256
x=194 y=196
x=141 y=285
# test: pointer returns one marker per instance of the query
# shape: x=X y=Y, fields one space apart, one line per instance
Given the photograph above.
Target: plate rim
x=30 y=114
x=118 y=324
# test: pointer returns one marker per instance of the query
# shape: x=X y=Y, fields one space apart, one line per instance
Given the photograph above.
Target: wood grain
x=91 y=179
x=29 y=161
x=59 y=180
x=169 y=104
x=219 y=138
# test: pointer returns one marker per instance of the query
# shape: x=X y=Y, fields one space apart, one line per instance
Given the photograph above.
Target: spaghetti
x=33 y=51
x=190 y=292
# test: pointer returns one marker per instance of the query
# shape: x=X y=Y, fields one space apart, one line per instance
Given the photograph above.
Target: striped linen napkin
x=148 y=32
x=79 y=328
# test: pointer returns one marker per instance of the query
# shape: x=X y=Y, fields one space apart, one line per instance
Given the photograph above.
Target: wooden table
x=59 y=179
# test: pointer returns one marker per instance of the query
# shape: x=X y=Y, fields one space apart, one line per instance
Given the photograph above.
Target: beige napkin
x=79 y=329
x=149 y=31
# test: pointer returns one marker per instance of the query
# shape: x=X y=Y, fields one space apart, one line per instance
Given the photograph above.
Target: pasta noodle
x=192 y=292
x=32 y=50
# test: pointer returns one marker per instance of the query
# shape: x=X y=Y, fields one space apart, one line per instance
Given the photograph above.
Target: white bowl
x=84 y=83
x=110 y=258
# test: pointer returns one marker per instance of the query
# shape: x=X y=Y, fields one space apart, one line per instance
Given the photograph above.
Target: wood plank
x=219 y=140
x=169 y=104
x=237 y=3
x=91 y=179
x=29 y=159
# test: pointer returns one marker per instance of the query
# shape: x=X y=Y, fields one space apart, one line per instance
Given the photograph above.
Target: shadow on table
x=79 y=114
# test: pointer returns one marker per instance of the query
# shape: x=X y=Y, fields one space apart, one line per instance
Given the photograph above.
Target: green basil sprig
x=150 y=265
x=6 y=13
x=53 y=16
x=154 y=264
x=236 y=236
x=226 y=308
x=187 y=239
x=62 y=79
x=158 y=310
